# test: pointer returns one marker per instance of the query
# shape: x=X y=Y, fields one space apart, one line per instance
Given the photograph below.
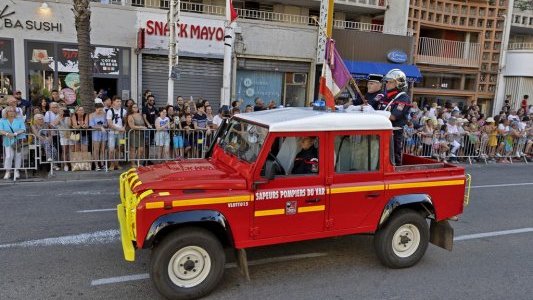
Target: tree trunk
x=82 y=20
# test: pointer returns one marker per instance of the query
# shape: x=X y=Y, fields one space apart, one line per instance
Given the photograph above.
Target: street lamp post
x=172 y=48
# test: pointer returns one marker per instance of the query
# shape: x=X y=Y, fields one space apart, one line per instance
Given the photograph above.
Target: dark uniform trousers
x=398 y=143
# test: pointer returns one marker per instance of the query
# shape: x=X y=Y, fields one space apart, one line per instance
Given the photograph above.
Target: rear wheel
x=187 y=264
x=402 y=242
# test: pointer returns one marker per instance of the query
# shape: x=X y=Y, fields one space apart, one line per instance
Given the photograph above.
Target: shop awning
x=361 y=69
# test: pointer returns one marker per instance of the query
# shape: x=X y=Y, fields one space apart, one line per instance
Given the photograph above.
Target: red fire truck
x=281 y=176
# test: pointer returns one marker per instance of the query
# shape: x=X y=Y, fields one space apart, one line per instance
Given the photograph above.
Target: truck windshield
x=243 y=140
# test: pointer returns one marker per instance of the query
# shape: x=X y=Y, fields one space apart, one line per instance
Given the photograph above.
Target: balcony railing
x=263 y=15
x=520 y=46
x=379 y=4
x=446 y=52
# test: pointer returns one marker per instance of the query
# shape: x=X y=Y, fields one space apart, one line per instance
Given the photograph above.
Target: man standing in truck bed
x=398 y=103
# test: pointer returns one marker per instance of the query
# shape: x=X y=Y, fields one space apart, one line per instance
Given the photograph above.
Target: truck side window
x=287 y=157
x=356 y=153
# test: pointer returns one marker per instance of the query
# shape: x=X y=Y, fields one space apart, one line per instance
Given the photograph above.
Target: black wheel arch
x=210 y=220
x=418 y=202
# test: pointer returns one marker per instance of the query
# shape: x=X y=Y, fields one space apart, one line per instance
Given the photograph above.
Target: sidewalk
x=42 y=176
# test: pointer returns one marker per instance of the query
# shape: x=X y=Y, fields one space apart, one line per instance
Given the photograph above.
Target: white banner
x=322 y=23
x=195 y=35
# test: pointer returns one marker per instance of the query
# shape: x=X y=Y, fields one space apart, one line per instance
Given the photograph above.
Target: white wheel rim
x=406 y=240
x=189 y=266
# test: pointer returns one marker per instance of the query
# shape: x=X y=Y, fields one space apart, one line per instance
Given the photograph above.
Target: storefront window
x=295 y=89
x=41 y=67
x=259 y=84
x=6 y=67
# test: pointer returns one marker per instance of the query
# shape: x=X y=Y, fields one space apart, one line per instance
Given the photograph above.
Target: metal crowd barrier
x=85 y=149
x=152 y=145
x=23 y=155
x=89 y=149
x=467 y=146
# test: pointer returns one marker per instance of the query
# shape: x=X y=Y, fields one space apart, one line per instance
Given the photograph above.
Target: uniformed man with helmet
x=397 y=102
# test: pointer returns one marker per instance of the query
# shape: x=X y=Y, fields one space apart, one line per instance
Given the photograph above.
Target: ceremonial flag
x=231 y=13
x=335 y=75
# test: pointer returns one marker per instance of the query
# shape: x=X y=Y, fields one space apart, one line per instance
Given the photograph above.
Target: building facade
x=516 y=72
x=275 y=52
x=458 y=47
x=38 y=49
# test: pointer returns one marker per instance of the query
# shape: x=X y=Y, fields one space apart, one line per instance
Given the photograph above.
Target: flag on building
x=335 y=75
x=231 y=13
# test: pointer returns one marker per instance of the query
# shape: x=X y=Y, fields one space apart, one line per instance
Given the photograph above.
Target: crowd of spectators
x=65 y=132
x=449 y=132
x=185 y=129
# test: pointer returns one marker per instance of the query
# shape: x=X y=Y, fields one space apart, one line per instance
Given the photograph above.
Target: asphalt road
x=53 y=247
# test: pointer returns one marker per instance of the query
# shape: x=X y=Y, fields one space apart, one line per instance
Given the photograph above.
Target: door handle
x=315 y=200
x=373 y=195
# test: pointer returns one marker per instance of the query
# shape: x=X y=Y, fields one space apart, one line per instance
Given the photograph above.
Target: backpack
x=114 y=117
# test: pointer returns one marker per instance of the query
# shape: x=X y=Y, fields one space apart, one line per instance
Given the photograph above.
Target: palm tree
x=82 y=20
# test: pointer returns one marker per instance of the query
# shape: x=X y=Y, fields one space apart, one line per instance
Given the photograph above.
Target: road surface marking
x=500 y=185
x=95 y=210
x=264 y=261
x=119 y=279
x=98 y=237
x=491 y=234
x=88 y=193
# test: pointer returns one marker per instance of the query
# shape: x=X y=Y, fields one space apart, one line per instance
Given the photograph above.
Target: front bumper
x=126 y=215
x=127 y=244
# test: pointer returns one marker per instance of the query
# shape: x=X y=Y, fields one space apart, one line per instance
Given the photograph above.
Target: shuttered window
x=197 y=78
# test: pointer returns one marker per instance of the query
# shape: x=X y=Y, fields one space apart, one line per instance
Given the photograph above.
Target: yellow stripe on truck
x=311 y=208
x=269 y=212
x=396 y=186
x=153 y=205
x=363 y=188
x=214 y=200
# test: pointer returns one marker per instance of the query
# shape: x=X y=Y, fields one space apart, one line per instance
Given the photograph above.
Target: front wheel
x=187 y=264
x=402 y=242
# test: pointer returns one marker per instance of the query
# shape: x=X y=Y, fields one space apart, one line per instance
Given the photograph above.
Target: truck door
x=357 y=185
x=290 y=196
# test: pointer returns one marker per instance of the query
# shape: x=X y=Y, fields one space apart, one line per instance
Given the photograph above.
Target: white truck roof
x=295 y=119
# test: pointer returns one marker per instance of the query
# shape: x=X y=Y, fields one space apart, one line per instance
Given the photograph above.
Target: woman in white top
x=162 y=136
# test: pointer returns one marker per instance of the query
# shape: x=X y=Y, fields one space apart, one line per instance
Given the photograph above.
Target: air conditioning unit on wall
x=299 y=78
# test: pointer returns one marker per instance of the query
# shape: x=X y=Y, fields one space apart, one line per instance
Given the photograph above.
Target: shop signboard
x=106 y=60
x=195 y=35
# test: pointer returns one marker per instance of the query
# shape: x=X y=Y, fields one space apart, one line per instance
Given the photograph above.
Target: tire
x=187 y=264
x=403 y=240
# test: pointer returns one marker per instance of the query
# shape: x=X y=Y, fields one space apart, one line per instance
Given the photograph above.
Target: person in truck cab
x=306 y=161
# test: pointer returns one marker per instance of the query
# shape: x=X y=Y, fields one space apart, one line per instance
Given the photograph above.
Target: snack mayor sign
x=195 y=35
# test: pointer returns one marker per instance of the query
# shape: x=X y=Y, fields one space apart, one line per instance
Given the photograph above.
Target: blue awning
x=361 y=69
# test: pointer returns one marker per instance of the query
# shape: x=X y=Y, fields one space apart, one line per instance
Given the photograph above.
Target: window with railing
x=451 y=81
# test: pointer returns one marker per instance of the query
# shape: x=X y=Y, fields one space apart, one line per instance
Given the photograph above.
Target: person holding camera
x=98 y=122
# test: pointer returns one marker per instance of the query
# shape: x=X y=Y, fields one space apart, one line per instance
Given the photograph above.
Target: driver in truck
x=306 y=161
